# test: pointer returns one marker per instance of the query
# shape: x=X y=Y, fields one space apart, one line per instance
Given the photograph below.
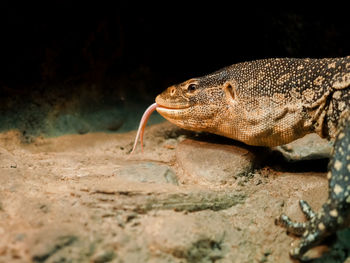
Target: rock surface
x=82 y=198
x=213 y=164
x=310 y=147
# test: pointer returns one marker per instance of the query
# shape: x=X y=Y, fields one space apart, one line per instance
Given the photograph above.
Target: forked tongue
x=142 y=126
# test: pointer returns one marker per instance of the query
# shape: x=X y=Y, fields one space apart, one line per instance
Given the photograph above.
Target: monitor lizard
x=271 y=102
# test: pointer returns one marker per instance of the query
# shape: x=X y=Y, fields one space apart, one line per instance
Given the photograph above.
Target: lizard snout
x=171 y=98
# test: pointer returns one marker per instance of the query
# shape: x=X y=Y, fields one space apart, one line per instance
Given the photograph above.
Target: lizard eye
x=191 y=88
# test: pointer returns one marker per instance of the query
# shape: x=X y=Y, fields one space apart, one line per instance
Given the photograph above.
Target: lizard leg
x=335 y=213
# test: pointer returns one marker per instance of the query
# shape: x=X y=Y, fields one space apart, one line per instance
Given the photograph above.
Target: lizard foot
x=312 y=232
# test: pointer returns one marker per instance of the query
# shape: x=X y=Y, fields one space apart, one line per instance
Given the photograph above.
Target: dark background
x=69 y=57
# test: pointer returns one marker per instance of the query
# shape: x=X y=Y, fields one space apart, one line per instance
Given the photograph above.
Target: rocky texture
x=188 y=198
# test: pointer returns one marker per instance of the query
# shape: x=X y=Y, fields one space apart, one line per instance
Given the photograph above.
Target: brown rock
x=216 y=164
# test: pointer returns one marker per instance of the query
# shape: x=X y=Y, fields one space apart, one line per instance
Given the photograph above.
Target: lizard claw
x=307 y=210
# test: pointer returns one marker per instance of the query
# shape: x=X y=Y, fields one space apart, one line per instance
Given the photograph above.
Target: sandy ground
x=187 y=198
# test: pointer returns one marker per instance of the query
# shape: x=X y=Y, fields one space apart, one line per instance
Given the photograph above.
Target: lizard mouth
x=166 y=111
x=162 y=107
x=165 y=107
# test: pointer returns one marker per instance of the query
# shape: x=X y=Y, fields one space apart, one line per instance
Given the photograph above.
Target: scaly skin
x=272 y=102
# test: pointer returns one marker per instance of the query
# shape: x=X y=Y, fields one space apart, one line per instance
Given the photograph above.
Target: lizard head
x=194 y=104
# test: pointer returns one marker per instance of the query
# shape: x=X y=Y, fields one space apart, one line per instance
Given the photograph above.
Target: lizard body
x=271 y=102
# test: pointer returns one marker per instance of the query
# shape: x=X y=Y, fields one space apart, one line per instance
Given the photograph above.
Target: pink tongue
x=142 y=126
